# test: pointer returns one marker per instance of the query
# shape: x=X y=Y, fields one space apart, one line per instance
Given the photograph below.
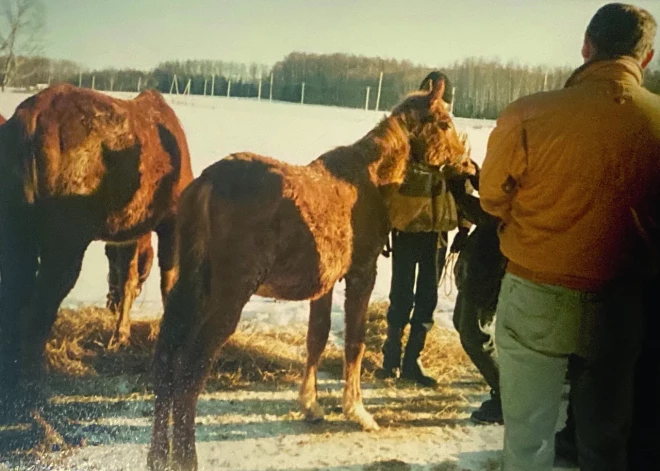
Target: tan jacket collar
x=623 y=70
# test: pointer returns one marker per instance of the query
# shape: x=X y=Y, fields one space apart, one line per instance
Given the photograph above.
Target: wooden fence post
x=380 y=85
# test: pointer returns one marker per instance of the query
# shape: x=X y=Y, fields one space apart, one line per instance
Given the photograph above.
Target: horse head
x=433 y=139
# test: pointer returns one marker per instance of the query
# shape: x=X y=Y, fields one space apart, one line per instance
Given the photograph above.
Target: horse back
x=125 y=160
x=300 y=215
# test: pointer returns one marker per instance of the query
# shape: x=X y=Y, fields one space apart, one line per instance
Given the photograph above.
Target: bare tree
x=21 y=28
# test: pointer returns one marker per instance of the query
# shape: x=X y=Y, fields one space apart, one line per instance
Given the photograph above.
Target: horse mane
x=392 y=139
x=386 y=149
x=382 y=152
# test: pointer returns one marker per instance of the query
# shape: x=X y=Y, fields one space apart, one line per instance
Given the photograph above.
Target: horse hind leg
x=358 y=291
x=174 y=325
x=193 y=363
x=317 y=338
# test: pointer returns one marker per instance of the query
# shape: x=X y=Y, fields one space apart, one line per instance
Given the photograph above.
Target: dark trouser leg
x=466 y=321
x=401 y=299
x=603 y=380
x=426 y=299
x=428 y=277
x=467 y=316
x=643 y=450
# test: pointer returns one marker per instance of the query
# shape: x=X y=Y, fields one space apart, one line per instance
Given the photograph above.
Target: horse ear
x=437 y=92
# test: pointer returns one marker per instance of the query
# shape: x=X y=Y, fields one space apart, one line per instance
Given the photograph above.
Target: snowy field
x=252 y=434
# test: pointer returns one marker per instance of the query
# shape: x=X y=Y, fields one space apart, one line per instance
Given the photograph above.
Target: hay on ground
x=78 y=348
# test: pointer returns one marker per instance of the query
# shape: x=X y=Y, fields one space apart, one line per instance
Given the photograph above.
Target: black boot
x=490 y=411
x=412 y=367
x=391 y=354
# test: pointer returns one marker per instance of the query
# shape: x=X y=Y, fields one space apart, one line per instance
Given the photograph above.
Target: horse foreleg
x=317 y=338
x=145 y=259
x=358 y=290
x=124 y=264
x=113 y=296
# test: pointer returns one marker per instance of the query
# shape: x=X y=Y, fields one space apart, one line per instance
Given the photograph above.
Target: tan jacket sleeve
x=504 y=164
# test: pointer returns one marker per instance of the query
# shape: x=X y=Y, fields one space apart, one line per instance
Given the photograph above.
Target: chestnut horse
x=254 y=225
x=129 y=266
x=77 y=166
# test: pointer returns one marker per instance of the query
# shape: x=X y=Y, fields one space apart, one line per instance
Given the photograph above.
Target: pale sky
x=142 y=33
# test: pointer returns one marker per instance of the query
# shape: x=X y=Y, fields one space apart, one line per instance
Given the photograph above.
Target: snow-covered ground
x=215 y=127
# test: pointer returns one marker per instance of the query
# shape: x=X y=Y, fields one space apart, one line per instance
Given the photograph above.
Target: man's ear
x=649 y=57
x=588 y=50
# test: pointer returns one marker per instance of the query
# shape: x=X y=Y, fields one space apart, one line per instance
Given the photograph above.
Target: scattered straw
x=78 y=348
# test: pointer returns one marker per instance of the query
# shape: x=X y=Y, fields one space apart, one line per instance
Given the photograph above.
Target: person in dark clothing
x=643 y=451
x=478 y=274
x=416 y=247
x=411 y=251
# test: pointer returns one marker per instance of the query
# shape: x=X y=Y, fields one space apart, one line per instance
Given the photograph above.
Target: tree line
x=482 y=87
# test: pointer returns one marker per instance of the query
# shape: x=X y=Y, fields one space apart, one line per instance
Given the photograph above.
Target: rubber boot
x=391 y=354
x=490 y=411
x=412 y=367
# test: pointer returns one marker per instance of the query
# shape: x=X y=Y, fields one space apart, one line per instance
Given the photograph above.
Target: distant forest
x=483 y=87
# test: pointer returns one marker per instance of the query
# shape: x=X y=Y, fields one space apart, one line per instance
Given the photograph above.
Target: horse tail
x=185 y=303
x=18 y=193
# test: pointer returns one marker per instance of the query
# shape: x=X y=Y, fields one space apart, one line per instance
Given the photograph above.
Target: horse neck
x=382 y=154
x=390 y=142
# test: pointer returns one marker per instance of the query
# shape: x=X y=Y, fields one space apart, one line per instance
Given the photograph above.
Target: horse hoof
x=360 y=415
x=314 y=413
x=368 y=424
x=117 y=342
x=157 y=461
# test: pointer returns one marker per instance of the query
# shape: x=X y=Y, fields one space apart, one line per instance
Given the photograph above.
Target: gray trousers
x=538 y=326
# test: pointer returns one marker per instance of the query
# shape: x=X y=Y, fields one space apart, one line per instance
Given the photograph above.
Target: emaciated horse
x=129 y=266
x=77 y=166
x=254 y=225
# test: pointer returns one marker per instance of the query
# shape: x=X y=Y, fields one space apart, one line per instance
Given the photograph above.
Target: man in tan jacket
x=574 y=175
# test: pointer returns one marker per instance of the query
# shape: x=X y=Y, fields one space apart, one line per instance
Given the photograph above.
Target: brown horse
x=253 y=225
x=129 y=266
x=77 y=166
